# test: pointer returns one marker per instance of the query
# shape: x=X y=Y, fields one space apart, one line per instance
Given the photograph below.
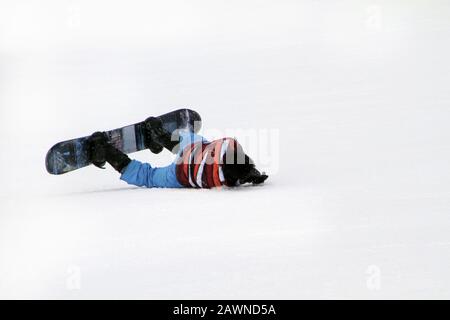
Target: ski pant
x=144 y=175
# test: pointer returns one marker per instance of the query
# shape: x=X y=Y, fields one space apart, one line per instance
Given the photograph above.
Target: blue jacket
x=144 y=175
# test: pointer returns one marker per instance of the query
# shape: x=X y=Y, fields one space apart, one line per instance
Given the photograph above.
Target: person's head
x=238 y=166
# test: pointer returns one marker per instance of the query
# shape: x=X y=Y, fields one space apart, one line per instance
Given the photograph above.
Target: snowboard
x=73 y=154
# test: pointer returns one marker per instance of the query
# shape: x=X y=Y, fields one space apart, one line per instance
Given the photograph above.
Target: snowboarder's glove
x=100 y=152
x=253 y=176
x=156 y=137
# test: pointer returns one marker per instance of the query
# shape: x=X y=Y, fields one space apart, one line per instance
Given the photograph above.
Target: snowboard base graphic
x=72 y=154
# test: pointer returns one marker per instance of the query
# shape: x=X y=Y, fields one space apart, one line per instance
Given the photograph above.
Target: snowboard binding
x=156 y=138
x=101 y=151
x=96 y=149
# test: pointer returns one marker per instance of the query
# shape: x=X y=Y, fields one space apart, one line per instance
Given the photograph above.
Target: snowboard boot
x=157 y=138
x=153 y=127
x=100 y=152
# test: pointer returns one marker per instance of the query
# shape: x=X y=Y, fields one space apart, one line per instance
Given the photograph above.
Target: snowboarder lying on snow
x=199 y=163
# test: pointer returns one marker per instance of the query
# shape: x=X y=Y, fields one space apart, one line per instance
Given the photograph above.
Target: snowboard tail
x=73 y=154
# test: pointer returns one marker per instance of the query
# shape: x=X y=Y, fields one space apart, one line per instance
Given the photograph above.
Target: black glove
x=254 y=176
x=156 y=137
x=100 y=152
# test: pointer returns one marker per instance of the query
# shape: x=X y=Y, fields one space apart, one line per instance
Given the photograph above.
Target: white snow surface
x=356 y=94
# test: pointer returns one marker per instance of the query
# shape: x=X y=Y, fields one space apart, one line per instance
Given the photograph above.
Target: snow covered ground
x=355 y=98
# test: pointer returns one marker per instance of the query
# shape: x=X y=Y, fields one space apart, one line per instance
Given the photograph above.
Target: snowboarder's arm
x=144 y=175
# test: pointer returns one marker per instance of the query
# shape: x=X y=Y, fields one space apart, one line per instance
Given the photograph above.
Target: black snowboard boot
x=157 y=137
x=100 y=152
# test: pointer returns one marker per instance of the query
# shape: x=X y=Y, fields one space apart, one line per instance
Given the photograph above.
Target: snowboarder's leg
x=133 y=172
x=188 y=137
x=144 y=175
